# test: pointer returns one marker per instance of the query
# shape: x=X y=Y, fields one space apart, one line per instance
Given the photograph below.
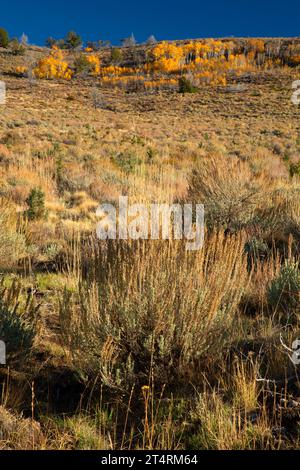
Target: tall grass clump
x=18 y=315
x=228 y=189
x=36 y=204
x=283 y=292
x=151 y=308
x=12 y=243
x=225 y=427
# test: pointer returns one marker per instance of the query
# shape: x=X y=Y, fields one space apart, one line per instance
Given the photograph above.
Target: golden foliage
x=256 y=45
x=210 y=61
x=21 y=70
x=53 y=66
x=94 y=61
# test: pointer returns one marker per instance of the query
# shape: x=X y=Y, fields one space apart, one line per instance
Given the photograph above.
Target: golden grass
x=153 y=327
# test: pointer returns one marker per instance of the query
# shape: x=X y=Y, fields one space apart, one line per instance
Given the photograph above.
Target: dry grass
x=143 y=304
x=155 y=347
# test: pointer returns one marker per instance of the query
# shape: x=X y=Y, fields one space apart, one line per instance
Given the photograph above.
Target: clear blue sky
x=166 y=19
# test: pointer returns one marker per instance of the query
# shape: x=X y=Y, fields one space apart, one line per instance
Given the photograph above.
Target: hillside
x=105 y=333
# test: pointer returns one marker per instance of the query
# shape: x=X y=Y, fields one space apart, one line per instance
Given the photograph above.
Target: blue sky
x=166 y=19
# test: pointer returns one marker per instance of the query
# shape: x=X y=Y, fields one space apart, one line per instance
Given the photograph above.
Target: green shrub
x=150 y=306
x=294 y=169
x=116 y=55
x=185 y=86
x=256 y=250
x=17 y=329
x=4 y=38
x=73 y=40
x=81 y=64
x=36 y=204
x=127 y=161
x=50 y=42
x=283 y=293
x=16 y=47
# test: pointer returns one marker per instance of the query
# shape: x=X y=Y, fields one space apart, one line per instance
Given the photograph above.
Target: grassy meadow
x=141 y=344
